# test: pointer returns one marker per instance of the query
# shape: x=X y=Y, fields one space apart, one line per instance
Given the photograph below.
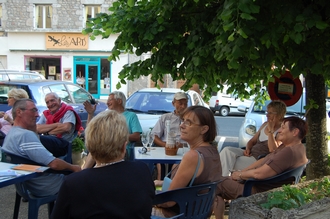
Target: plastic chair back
x=293 y=173
x=195 y=202
x=21 y=191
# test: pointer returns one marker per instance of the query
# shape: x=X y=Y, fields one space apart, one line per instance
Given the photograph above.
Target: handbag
x=167 y=180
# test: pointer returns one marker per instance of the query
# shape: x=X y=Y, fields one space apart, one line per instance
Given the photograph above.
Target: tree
x=241 y=43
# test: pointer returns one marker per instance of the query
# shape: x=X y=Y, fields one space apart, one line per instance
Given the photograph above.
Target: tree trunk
x=316 y=139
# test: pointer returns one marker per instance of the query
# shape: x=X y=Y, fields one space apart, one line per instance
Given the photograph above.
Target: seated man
x=59 y=125
x=289 y=155
x=22 y=140
x=117 y=101
x=180 y=102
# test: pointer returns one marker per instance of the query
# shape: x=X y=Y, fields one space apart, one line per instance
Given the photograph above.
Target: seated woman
x=289 y=155
x=6 y=118
x=198 y=129
x=262 y=143
x=114 y=188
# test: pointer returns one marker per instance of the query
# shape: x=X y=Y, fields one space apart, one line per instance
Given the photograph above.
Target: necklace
x=108 y=164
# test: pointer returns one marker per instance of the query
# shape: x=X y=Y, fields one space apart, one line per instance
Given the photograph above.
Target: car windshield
x=151 y=102
x=296 y=109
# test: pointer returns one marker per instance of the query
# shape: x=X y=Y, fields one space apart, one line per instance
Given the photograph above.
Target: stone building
x=45 y=36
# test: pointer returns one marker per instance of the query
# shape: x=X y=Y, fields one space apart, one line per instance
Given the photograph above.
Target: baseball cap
x=180 y=95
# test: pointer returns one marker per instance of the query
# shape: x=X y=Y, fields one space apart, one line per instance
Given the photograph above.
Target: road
x=228 y=128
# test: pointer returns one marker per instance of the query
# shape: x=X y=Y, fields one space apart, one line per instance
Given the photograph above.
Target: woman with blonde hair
x=6 y=118
x=262 y=143
x=114 y=188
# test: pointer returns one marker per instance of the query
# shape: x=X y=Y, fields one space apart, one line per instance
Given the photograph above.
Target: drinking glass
x=145 y=139
x=151 y=139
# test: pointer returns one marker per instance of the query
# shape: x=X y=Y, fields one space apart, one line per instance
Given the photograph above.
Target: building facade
x=45 y=36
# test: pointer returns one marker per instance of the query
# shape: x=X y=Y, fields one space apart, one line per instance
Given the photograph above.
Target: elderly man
x=22 y=140
x=59 y=125
x=180 y=102
x=117 y=101
x=289 y=155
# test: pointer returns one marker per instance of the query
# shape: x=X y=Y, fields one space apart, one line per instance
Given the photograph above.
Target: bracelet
x=272 y=132
x=240 y=175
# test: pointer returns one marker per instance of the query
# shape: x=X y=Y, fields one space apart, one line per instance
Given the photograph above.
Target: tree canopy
x=238 y=42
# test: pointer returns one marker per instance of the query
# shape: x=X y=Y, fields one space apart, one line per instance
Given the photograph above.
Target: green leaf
x=321 y=25
x=130 y=3
x=242 y=33
x=231 y=37
x=299 y=27
x=247 y=16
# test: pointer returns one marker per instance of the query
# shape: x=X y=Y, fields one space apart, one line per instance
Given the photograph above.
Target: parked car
x=10 y=75
x=72 y=94
x=227 y=104
x=255 y=116
x=150 y=103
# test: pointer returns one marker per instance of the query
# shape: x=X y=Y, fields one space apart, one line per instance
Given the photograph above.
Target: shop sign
x=72 y=41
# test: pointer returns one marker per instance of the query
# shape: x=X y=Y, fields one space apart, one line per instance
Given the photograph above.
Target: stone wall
x=18 y=15
x=248 y=208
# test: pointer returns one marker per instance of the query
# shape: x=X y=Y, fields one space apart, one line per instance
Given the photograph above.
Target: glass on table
x=145 y=139
x=151 y=140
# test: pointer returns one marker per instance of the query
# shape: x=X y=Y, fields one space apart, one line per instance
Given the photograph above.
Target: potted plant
x=78 y=146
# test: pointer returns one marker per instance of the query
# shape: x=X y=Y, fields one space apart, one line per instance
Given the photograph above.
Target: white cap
x=180 y=95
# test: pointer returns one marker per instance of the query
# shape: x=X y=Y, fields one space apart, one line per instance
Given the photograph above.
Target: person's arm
x=134 y=137
x=58 y=164
x=44 y=128
x=61 y=128
x=8 y=118
x=253 y=141
x=90 y=109
x=55 y=128
x=89 y=162
x=185 y=173
x=159 y=142
x=262 y=172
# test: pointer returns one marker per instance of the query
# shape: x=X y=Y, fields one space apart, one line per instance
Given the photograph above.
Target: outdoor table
x=157 y=155
x=22 y=175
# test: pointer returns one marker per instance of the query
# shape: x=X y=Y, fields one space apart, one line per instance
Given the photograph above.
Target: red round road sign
x=285 y=88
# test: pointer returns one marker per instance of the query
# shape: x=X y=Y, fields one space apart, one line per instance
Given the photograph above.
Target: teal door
x=87 y=75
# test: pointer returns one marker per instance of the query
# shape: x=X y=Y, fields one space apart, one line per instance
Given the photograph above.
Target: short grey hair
x=54 y=95
x=19 y=104
x=119 y=95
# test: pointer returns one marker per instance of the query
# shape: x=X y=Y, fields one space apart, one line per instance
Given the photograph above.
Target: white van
x=227 y=103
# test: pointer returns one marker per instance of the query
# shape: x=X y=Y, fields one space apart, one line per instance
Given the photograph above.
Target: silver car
x=150 y=103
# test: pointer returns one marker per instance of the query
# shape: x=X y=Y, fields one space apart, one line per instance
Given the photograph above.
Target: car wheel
x=224 y=111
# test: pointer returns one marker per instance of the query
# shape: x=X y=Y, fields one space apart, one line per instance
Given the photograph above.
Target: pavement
x=7 y=203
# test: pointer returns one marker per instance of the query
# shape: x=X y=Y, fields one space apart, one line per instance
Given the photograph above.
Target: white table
x=23 y=175
x=157 y=155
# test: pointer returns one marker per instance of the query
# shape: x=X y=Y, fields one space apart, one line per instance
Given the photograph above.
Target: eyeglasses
x=189 y=123
x=270 y=113
x=34 y=110
x=10 y=97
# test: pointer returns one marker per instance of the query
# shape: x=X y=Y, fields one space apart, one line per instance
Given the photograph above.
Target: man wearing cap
x=179 y=102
